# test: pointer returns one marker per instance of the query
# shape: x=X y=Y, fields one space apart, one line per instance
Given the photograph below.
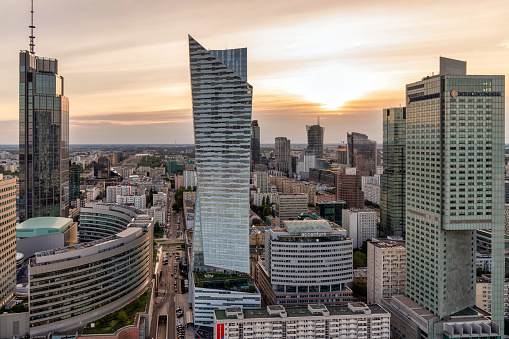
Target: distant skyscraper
x=392 y=200
x=342 y=155
x=255 y=143
x=102 y=168
x=315 y=139
x=8 y=236
x=282 y=151
x=361 y=153
x=454 y=186
x=43 y=139
x=222 y=130
x=74 y=182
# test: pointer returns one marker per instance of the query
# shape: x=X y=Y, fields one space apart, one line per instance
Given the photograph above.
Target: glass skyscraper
x=282 y=155
x=222 y=104
x=454 y=186
x=315 y=139
x=43 y=139
x=361 y=153
x=392 y=197
x=255 y=143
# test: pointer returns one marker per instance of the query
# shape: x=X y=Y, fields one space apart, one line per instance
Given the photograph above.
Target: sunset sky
x=126 y=64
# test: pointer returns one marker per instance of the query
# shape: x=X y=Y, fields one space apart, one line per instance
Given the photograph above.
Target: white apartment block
x=386 y=269
x=113 y=191
x=371 y=188
x=94 y=192
x=290 y=206
x=483 y=260
x=158 y=213
x=261 y=182
x=258 y=198
x=160 y=199
x=483 y=294
x=190 y=196
x=138 y=201
x=361 y=225
x=355 y=320
x=190 y=179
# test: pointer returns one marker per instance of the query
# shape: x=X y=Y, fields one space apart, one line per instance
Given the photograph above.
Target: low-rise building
x=386 y=269
x=332 y=211
x=160 y=199
x=360 y=224
x=355 y=320
x=307 y=261
x=483 y=294
x=138 y=201
x=258 y=198
x=158 y=213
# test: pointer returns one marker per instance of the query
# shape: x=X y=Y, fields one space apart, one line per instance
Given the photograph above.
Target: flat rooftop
x=42 y=225
x=301 y=226
x=296 y=312
x=386 y=243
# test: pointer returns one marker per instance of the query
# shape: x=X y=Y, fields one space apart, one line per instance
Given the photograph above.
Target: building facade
x=454 y=186
x=332 y=211
x=355 y=320
x=392 y=202
x=315 y=139
x=322 y=272
x=289 y=206
x=362 y=153
x=43 y=139
x=255 y=143
x=8 y=236
x=360 y=224
x=371 y=189
x=483 y=298
x=386 y=269
x=74 y=182
x=282 y=153
x=347 y=189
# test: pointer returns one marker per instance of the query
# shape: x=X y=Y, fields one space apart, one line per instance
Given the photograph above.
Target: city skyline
x=355 y=57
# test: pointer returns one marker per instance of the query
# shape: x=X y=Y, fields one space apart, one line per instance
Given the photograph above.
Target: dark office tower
x=342 y=155
x=315 y=139
x=347 y=190
x=74 y=182
x=102 y=168
x=43 y=139
x=282 y=151
x=392 y=191
x=255 y=143
x=361 y=153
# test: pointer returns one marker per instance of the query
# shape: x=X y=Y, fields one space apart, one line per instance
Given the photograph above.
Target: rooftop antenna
x=32 y=37
x=318 y=118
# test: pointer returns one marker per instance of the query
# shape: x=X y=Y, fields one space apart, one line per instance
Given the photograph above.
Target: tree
x=175 y=207
x=364 y=248
x=264 y=201
x=226 y=284
x=359 y=259
x=481 y=271
x=122 y=317
x=266 y=211
x=359 y=288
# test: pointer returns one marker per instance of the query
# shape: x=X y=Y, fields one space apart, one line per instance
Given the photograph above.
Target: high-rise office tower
x=361 y=153
x=43 y=138
x=282 y=152
x=222 y=104
x=8 y=236
x=392 y=197
x=342 y=155
x=255 y=143
x=222 y=130
x=102 y=168
x=315 y=139
x=454 y=186
x=74 y=182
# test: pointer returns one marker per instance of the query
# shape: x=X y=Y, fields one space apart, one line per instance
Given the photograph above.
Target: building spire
x=32 y=37
x=318 y=117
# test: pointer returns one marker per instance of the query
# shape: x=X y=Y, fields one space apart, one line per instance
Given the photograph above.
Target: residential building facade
x=8 y=236
x=360 y=224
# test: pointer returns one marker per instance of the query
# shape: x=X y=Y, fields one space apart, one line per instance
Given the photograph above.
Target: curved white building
x=77 y=284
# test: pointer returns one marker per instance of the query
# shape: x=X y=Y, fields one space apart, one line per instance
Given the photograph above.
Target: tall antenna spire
x=32 y=37
x=318 y=118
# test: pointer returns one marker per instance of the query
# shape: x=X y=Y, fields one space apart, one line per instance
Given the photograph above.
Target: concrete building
x=386 y=269
x=342 y=155
x=282 y=153
x=392 y=204
x=315 y=139
x=113 y=191
x=45 y=233
x=483 y=298
x=290 y=206
x=466 y=195
x=506 y=219
x=160 y=199
x=306 y=163
x=222 y=106
x=371 y=189
x=321 y=273
x=261 y=182
x=360 y=224
x=8 y=236
x=43 y=139
x=190 y=179
x=158 y=213
x=138 y=201
x=355 y=320
x=74 y=285
x=258 y=198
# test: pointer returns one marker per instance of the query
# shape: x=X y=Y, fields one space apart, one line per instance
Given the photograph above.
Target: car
x=180 y=312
